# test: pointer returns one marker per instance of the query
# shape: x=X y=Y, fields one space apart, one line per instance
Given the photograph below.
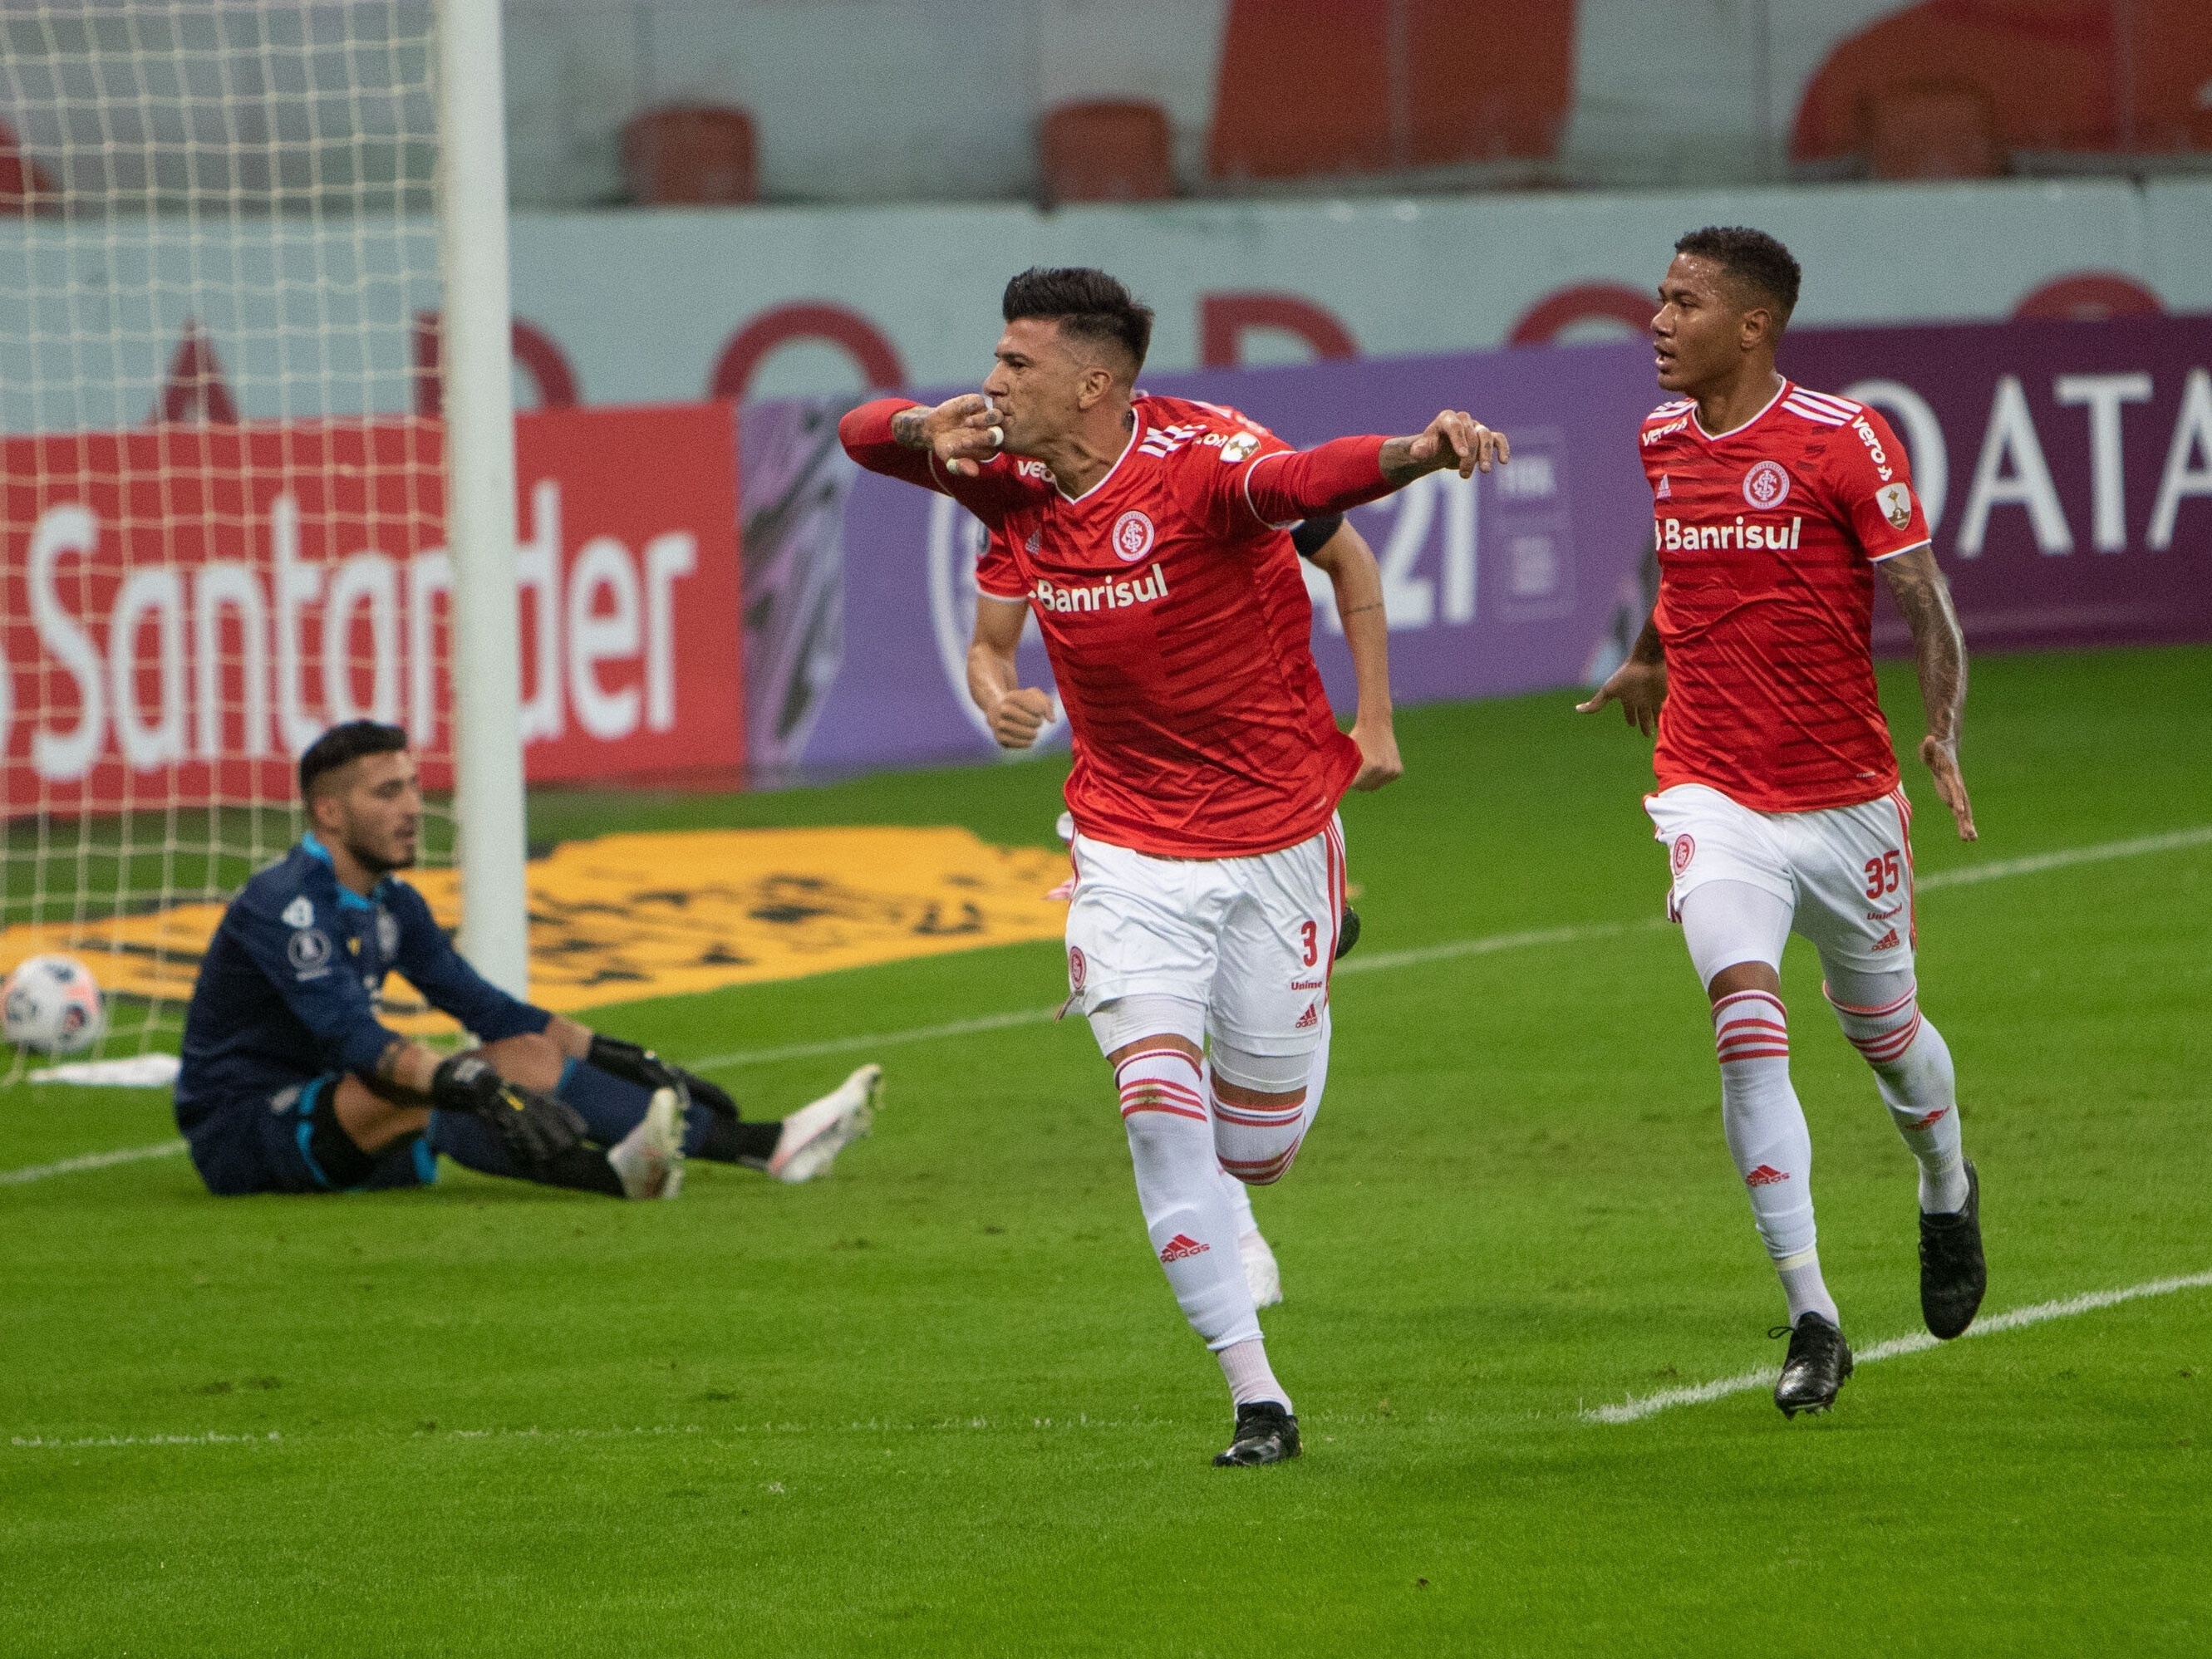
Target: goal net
x=224 y=496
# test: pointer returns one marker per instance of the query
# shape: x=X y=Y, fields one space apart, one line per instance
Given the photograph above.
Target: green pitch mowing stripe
x=2034 y=864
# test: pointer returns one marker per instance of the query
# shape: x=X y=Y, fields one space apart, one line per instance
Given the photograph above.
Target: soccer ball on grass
x=51 y=1004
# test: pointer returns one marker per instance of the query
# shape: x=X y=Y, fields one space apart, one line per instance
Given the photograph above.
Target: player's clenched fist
x=1455 y=440
x=962 y=432
x=1019 y=716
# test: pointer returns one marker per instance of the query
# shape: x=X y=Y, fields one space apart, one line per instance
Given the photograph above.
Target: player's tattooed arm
x=1349 y=565
x=961 y=432
x=1639 y=684
x=1454 y=440
x=1939 y=652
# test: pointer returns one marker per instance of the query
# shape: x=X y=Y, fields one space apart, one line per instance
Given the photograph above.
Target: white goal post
x=479 y=408
x=257 y=462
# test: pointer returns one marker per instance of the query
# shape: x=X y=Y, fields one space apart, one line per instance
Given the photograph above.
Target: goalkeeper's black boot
x=1953 y=1275
x=1265 y=1433
x=1819 y=1359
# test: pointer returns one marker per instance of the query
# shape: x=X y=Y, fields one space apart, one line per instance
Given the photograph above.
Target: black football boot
x=1819 y=1359
x=1265 y=1433
x=1953 y=1275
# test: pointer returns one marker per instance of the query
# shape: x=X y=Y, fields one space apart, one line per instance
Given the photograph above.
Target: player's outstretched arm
x=1284 y=485
x=1357 y=579
x=895 y=436
x=1455 y=440
x=1638 y=685
x=1017 y=714
x=1939 y=652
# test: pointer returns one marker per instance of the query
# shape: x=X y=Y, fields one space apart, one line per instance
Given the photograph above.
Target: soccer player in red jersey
x=1778 y=799
x=1145 y=534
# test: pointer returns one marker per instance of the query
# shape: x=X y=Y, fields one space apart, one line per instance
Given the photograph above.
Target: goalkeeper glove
x=648 y=1070
x=535 y=1129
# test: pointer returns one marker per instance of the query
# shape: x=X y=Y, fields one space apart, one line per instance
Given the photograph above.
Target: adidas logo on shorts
x=1308 y=1019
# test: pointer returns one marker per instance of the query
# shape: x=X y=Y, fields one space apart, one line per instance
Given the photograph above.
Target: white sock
x=1769 y=1142
x=1179 y=1186
x=1880 y=1015
x=1250 y=1378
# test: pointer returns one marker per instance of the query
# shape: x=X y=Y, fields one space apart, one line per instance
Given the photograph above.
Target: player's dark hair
x=1087 y=304
x=1753 y=258
x=342 y=745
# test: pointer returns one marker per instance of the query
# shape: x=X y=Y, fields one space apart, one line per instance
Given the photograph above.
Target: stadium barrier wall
x=777 y=302
x=2067 y=468
x=184 y=608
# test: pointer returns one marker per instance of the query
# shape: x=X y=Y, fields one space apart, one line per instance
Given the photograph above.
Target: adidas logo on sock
x=1929 y=1121
x=1765 y=1176
x=1181 y=1245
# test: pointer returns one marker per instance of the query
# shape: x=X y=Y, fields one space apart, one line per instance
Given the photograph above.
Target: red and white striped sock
x=1768 y=1139
x=1912 y=1069
x=1187 y=1212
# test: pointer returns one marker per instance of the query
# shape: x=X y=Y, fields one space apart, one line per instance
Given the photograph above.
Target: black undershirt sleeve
x=1310 y=536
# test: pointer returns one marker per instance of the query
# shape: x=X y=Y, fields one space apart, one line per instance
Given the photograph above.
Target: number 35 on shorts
x=1883 y=873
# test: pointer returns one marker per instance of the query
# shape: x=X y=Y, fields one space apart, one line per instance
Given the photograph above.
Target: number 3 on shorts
x=1309 y=935
x=1883 y=875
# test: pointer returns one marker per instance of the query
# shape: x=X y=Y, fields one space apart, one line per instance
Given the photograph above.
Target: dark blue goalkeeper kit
x=289 y=1000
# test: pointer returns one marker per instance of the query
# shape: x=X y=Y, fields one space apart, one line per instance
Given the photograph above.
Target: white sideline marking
x=2032 y=862
x=1634 y=1410
x=2197 y=836
x=89 y=1161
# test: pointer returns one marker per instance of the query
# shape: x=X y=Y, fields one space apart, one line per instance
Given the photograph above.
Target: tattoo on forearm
x=1939 y=648
x=906 y=427
x=1350 y=611
x=1399 y=465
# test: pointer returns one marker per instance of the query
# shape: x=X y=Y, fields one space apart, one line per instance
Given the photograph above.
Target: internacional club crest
x=1132 y=537
x=1686 y=848
x=1077 y=969
x=1766 y=486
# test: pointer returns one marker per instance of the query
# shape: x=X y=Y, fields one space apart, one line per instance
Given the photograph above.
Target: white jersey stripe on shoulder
x=1841 y=405
x=1825 y=417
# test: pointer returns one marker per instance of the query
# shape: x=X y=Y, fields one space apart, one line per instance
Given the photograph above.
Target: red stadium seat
x=1111 y=150
x=1307 y=88
x=23 y=182
x=1932 y=132
x=690 y=155
x=2055 y=76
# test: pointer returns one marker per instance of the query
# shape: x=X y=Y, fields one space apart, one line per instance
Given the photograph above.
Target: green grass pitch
x=943 y=1403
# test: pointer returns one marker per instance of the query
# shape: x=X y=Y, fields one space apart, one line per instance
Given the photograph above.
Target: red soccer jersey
x=1768 y=540
x=1176 y=620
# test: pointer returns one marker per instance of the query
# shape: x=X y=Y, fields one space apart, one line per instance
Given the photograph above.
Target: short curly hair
x=1753 y=258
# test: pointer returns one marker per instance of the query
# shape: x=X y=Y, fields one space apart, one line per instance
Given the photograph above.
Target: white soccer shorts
x=1845 y=872
x=1252 y=939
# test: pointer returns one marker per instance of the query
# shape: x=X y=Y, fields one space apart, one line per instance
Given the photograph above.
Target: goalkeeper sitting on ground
x=290 y=1083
